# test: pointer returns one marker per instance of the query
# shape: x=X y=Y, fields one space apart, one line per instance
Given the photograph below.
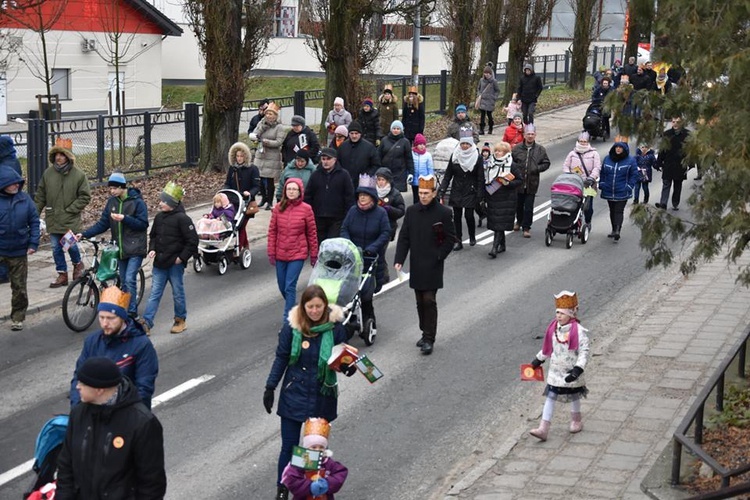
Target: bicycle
x=81 y=299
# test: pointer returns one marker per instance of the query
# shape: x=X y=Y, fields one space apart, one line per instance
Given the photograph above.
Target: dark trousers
x=328 y=227
x=616 y=213
x=427 y=312
x=470 y=222
x=490 y=120
x=676 y=185
x=415 y=194
x=525 y=210
x=637 y=192
x=18 y=271
x=588 y=209
x=528 y=109
x=267 y=191
x=290 y=430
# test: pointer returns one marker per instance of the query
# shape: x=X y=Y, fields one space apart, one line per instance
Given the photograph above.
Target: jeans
x=18 y=268
x=470 y=222
x=636 y=194
x=128 y=280
x=616 y=213
x=525 y=210
x=666 y=184
x=528 y=109
x=59 y=255
x=428 y=313
x=290 y=430
x=287 y=274
x=159 y=279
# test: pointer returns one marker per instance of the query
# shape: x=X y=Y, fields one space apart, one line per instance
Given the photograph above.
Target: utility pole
x=652 y=40
x=415 y=47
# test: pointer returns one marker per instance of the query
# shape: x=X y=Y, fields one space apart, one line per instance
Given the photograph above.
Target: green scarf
x=325 y=374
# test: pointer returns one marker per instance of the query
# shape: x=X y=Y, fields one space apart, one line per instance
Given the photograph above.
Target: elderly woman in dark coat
x=501 y=178
x=465 y=172
x=395 y=154
x=391 y=200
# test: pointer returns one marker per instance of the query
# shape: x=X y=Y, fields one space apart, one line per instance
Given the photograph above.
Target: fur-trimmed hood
x=239 y=146
x=420 y=99
x=58 y=149
x=336 y=314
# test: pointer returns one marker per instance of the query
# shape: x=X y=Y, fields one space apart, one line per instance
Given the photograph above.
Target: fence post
x=299 y=103
x=567 y=65
x=612 y=56
x=146 y=142
x=443 y=90
x=424 y=90
x=676 y=461
x=595 y=66
x=100 y=155
x=192 y=135
x=403 y=90
x=36 y=138
x=544 y=71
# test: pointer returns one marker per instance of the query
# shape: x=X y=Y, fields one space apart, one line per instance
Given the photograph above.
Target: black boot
x=495 y=244
x=616 y=233
x=282 y=493
x=501 y=241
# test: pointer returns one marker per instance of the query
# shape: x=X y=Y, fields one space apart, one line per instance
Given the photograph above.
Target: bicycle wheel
x=140 y=286
x=79 y=304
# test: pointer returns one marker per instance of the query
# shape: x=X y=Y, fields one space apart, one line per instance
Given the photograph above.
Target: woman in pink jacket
x=292 y=236
x=585 y=161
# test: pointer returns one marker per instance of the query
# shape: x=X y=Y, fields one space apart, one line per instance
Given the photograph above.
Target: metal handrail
x=694 y=418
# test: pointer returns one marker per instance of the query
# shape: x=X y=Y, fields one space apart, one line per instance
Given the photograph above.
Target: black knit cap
x=100 y=373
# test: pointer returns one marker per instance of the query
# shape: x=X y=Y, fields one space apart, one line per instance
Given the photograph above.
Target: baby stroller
x=343 y=273
x=593 y=121
x=48 y=445
x=440 y=158
x=566 y=210
x=220 y=246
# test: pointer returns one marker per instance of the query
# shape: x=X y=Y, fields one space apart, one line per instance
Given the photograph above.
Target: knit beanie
x=461 y=108
x=397 y=123
x=367 y=102
x=302 y=153
x=342 y=130
x=355 y=126
x=419 y=139
x=339 y=100
x=298 y=120
x=114 y=301
x=99 y=373
x=117 y=179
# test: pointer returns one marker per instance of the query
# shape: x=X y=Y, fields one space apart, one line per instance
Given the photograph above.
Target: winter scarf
x=582 y=149
x=466 y=159
x=64 y=168
x=572 y=337
x=365 y=206
x=383 y=191
x=496 y=167
x=418 y=151
x=325 y=374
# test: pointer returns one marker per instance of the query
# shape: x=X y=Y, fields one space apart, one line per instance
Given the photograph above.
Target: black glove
x=536 y=363
x=347 y=370
x=368 y=253
x=588 y=182
x=574 y=374
x=268 y=400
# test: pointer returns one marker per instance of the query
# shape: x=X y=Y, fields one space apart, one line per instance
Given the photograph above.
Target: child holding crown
x=328 y=478
x=566 y=343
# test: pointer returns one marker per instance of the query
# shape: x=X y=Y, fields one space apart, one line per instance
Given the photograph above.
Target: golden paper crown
x=113 y=295
x=427 y=182
x=317 y=427
x=273 y=107
x=413 y=90
x=566 y=300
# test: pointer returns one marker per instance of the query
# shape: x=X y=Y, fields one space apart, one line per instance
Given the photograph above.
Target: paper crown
x=427 y=182
x=566 y=300
x=367 y=181
x=273 y=107
x=174 y=190
x=317 y=427
x=413 y=90
x=388 y=88
x=115 y=296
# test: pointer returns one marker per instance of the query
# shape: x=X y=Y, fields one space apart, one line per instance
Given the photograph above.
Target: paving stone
x=494 y=496
x=517 y=481
x=663 y=353
x=598 y=474
x=618 y=405
x=610 y=415
x=558 y=479
x=589 y=437
x=654 y=413
x=628 y=448
x=565 y=463
x=618 y=462
x=654 y=402
x=687 y=374
x=520 y=466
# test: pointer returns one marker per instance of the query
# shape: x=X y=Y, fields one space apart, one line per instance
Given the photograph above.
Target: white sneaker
x=16 y=326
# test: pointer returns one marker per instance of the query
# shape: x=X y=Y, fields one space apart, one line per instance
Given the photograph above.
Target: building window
x=60 y=83
x=285 y=21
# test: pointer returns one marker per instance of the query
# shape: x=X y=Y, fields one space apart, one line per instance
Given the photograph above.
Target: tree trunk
x=582 y=35
x=218 y=133
x=462 y=55
x=517 y=52
x=493 y=33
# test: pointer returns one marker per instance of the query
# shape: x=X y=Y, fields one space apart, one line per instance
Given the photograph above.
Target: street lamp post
x=415 y=47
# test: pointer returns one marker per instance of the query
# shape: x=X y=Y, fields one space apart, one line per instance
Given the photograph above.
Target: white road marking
x=489 y=234
x=25 y=467
x=540 y=215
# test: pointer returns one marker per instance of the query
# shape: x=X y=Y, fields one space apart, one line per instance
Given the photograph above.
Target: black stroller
x=593 y=121
x=566 y=210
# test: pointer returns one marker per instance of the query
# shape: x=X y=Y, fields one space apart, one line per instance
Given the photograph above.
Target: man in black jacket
x=172 y=241
x=255 y=120
x=330 y=193
x=114 y=446
x=358 y=156
x=299 y=137
x=428 y=236
x=671 y=163
x=529 y=88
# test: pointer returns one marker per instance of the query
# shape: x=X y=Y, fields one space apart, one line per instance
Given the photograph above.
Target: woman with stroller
x=292 y=236
x=367 y=226
x=221 y=216
x=465 y=176
x=243 y=177
x=501 y=179
x=585 y=161
x=391 y=200
x=310 y=387
x=618 y=177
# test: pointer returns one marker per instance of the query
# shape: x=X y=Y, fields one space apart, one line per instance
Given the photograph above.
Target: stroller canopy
x=338 y=270
x=567 y=193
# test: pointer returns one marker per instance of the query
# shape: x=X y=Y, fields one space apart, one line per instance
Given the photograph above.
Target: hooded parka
x=19 y=221
x=62 y=196
x=268 y=156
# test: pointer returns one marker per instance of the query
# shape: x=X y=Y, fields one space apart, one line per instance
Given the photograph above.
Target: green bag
x=108 y=263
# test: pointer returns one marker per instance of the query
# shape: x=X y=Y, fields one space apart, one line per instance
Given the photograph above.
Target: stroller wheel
x=223 y=265
x=198 y=264
x=585 y=230
x=547 y=237
x=246 y=258
x=369 y=331
x=569 y=241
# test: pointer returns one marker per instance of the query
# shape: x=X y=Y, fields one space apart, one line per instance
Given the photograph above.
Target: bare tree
x=495 y=29
x=526 y=19
x=39 y=16
x=584 y=31
x=460 y=17
x=232 y=36
x=640 y=18
x=346 y=39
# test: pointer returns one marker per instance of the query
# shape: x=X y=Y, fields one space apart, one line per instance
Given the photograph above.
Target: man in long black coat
x=671 y=163
x=429 y=235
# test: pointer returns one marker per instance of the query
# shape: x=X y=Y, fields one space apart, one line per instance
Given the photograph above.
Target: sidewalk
x=552 y=126
x=642 y=383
